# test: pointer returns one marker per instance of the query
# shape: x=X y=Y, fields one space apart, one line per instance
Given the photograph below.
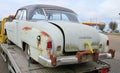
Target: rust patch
x=48 y=52
x=45 y=34
x=112 y=51
x=80 y=54
x=95 y=55
x=53 y=60
x=41 y=51
x=58 y=48
x=38 y=43
x=27 y=28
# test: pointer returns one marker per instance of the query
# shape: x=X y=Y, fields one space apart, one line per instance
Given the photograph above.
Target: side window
x=21 y=15
x=18 y=15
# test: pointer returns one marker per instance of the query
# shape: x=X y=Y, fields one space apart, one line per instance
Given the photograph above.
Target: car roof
x=30 y=7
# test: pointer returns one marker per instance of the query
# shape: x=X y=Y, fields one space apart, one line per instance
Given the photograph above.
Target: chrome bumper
x=61 y=60
x=109 y=55
x=105 y=56
x=65 y=60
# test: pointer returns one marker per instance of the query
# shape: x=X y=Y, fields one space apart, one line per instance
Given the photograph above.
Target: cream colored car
x=52 y=36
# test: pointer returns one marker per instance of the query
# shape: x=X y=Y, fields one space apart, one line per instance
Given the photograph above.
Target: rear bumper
x=109 y=55
x=59 y=61
x=67 y=60
x=78 y=58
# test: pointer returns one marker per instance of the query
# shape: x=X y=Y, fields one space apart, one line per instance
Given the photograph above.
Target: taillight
x=107 y=43
x=104 y=70
x=49 y=44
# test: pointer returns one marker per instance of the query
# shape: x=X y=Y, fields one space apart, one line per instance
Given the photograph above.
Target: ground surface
x=3 y=66
x=115 y=63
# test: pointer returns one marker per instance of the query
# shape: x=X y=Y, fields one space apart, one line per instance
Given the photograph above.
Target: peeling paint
x=45 y=34
x=41 y=51
x=27 y=28
x=38 y=43
x=58 y=48
x=48 y=51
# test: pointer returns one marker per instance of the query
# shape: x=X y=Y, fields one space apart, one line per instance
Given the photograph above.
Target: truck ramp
x=18 y=63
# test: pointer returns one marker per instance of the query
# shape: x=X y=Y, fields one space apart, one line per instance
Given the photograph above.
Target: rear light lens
x=104 y=71
x=107 y=43
x=49 y=44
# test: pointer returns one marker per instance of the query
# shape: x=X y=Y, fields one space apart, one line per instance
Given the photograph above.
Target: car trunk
x=76 y=35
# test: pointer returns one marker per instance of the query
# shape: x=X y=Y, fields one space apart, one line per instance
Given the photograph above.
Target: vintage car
x=52 y=36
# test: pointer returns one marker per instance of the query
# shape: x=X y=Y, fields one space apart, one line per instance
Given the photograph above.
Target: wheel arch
x=23 y=45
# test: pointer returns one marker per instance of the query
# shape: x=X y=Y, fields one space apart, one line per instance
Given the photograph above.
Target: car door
x=16 y=26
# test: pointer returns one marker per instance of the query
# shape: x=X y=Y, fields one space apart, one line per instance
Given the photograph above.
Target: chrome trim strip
x=105 y=56
x=45 y=59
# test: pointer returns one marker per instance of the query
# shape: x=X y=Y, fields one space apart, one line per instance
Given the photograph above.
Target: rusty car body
x=53 y=36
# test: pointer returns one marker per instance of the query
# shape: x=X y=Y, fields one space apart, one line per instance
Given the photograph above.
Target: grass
x=116 y=34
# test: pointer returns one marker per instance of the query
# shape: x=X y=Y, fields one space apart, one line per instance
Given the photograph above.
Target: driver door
x=15 y=26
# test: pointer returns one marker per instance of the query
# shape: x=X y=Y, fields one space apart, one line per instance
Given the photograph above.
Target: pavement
x=115 y=63
x=3 y=66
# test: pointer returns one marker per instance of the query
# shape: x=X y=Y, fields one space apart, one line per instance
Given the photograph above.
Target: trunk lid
x=77 y=34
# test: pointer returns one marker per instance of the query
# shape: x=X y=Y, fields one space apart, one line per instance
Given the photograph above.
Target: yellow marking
x=89 y=46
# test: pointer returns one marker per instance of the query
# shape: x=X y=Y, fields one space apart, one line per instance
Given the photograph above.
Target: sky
x=88 y=10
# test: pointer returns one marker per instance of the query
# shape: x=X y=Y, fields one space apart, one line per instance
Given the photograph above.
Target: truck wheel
x=27 y=54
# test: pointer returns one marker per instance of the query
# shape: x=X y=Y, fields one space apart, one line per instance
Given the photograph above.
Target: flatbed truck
x=18 y=63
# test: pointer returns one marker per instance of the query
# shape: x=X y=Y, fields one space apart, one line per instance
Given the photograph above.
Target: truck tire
x=27 y=54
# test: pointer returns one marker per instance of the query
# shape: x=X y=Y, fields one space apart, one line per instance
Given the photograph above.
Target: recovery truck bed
x=17 y=63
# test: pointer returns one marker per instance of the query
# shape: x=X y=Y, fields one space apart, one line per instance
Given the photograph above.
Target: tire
x=28 y=54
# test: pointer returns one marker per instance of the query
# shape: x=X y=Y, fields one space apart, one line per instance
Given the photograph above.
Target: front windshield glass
x=60 y=15
x=50 y=14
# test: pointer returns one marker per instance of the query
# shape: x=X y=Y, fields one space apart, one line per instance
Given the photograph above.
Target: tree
x=102 y=27
x=113 y=25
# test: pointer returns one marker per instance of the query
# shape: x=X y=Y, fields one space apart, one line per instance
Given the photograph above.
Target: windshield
x=48 y=14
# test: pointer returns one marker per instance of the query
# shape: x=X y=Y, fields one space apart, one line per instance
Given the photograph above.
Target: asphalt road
x=115 y=63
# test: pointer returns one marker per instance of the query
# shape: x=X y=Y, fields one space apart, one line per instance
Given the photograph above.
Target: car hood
x=77 y=34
